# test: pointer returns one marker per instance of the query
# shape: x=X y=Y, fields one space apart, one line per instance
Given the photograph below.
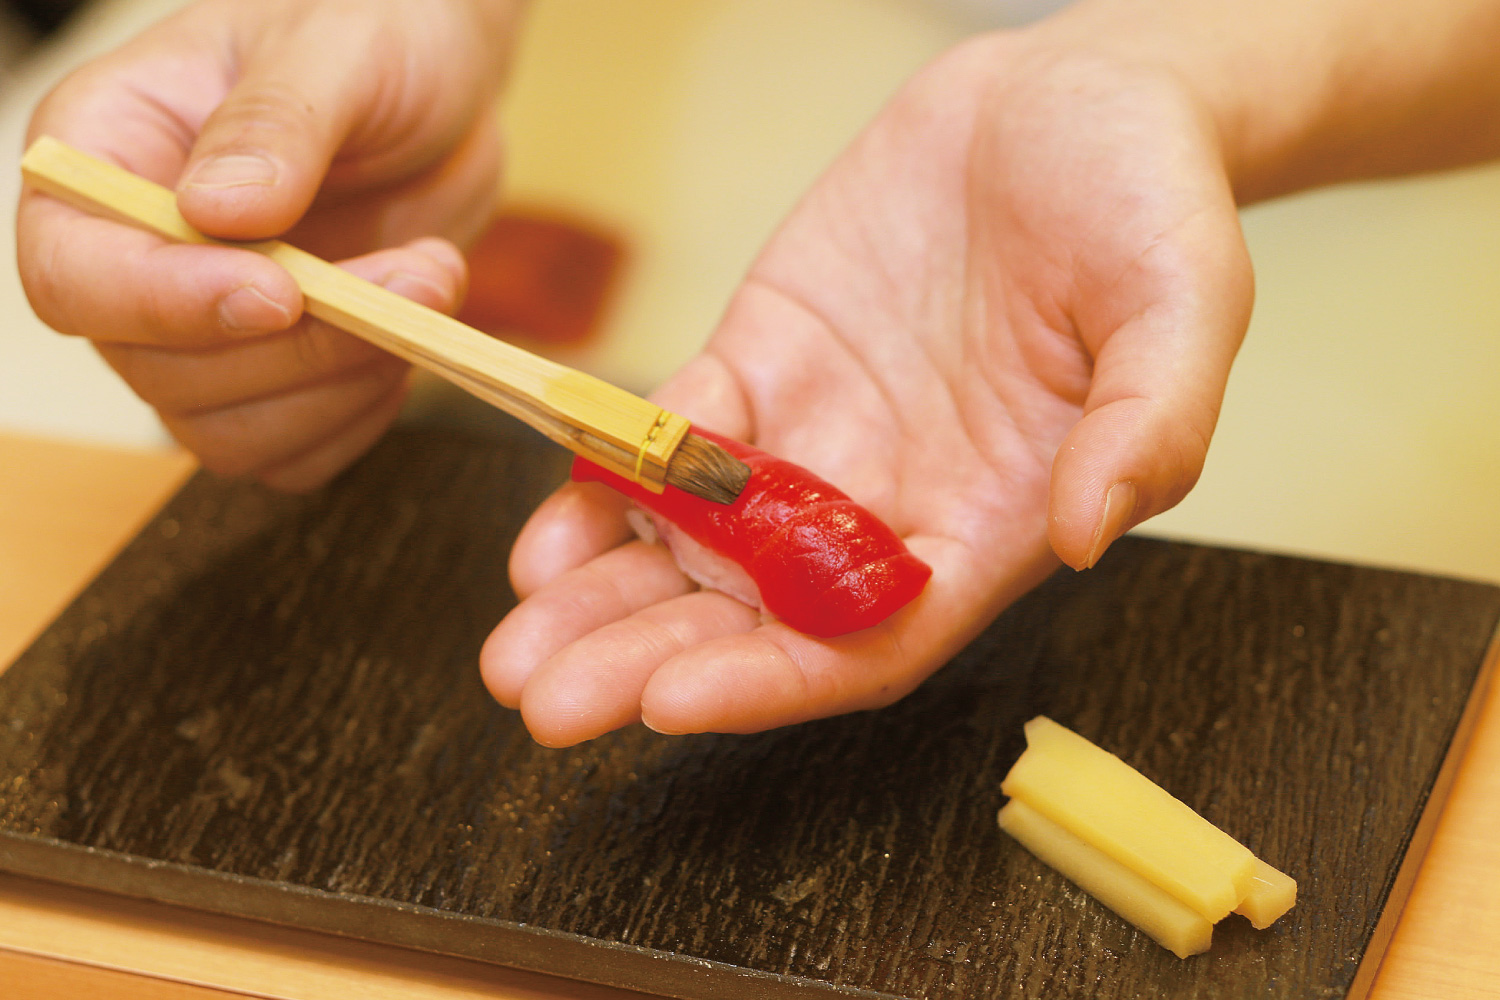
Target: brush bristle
x=702 y=468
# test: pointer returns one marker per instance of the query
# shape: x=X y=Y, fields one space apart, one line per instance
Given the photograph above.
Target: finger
x=572 y=526
x=186 y=382
x=250 y=438
x=454 y=197
x=614 y=586
x=324 y=460
x=183 y=382
x=263 y=152
x=594 y=685
x=141 y=105
x=265 y=432
x=775 y=676
x=1154 y=399
x=95 y=278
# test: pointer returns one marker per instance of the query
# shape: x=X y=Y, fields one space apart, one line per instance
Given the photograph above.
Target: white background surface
x=1362 y=421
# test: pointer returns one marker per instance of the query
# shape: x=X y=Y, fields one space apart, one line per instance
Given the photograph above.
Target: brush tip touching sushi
x=791 y=544
x=704 y=469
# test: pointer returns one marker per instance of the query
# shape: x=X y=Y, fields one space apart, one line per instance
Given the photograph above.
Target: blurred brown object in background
x=540 y=277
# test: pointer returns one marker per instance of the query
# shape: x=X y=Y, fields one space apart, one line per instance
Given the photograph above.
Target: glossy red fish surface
x=824 y=565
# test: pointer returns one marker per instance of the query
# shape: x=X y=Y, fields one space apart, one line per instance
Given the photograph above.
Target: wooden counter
x=64 y=511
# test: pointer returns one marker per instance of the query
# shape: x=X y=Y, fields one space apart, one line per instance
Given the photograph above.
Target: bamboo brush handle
x=587 y=415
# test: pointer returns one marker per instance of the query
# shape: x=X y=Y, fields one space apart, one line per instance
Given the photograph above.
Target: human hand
x=352 y=128
x=1002 y=320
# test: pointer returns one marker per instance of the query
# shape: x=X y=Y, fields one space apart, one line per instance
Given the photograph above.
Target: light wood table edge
x=66 y=510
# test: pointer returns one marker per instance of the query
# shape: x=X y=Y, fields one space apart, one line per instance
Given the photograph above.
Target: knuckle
x=45 y=285
x=267 y=107
x=594 y=594
x=225 y=442
x=319 y=350
x=802 y=682
x=311 y=353
x=156 y=315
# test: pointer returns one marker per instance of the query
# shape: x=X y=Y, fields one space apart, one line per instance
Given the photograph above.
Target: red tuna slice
x=824 y=564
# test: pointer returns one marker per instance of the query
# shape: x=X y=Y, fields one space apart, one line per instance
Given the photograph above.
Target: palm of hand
x=988 y=263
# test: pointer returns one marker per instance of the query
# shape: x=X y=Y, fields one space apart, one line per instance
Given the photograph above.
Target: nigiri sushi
x=791 y=544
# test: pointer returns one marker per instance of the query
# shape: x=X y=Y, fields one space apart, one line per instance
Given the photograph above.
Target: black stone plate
x=269 y=706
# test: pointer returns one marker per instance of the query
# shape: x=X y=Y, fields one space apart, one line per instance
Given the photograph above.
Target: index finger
x=100 y=279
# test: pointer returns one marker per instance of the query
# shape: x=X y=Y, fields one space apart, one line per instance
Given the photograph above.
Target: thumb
x=262 y=154
x=1154 y=400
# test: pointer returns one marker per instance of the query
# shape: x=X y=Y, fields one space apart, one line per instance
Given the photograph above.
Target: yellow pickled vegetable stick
x=1174 y=926
x=1093 y=794
x=1271 y=894
x=1132 y=845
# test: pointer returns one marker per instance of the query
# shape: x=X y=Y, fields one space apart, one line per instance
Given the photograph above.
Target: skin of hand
x=1002 y=320
x=359 y=129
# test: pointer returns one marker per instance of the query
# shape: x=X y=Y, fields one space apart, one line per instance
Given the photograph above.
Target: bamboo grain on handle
x=587 y=415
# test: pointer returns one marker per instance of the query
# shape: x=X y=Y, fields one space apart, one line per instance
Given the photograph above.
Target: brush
x=599 y=421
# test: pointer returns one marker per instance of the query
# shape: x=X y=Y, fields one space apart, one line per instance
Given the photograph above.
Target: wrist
x=1257 y=117
x=1303 y=94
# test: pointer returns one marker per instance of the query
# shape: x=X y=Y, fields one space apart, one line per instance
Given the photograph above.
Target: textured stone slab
x=269 y=706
